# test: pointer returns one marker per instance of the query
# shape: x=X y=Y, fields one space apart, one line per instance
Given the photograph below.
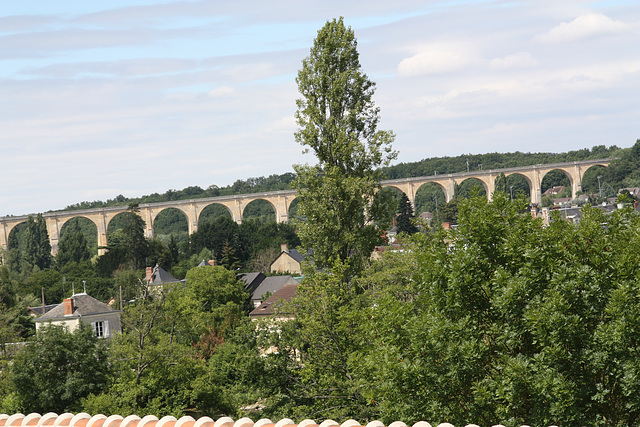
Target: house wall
x=72 y=323
x=284 y=263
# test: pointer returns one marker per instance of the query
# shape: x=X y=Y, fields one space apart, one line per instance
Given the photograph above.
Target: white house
x=104 y=320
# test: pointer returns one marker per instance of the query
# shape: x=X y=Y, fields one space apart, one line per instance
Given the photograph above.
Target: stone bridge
x=281 y=200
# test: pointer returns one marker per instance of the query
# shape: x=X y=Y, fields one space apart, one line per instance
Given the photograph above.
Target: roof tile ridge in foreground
x=83 y=419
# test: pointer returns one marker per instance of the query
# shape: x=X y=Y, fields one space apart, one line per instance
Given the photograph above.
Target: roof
x=160 y=276
x=267 y=308
x=83 y=304
x=37 y=309
x=252 y=280
x=272 y=284
x=83 y=420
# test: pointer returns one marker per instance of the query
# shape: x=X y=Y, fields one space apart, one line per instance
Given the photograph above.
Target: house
x=104 y=320
x=289 y=260
x=553 y=191
x=270 y=307
x=157 y=276
x=258 y=285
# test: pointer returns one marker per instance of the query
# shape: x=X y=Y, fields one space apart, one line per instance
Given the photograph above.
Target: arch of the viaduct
x=533 y=175
x=281 y=200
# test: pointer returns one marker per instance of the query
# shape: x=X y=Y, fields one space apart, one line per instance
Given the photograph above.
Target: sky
x=133 y=97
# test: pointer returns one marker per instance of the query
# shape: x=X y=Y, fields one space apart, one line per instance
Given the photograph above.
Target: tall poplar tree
x=338 y=122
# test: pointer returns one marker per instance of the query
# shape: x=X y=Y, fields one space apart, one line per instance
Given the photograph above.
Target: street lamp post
x=599 y=188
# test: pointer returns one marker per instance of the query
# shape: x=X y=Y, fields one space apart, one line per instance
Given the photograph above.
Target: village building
x=83 y=308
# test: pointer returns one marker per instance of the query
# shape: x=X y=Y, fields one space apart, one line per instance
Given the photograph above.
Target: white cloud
x=583 y=27
x=437 y=59
x=221 y=91
x=519 y=60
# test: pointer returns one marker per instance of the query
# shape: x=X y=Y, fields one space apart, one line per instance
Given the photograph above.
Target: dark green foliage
x=405 y=220
x=468 y=188
x=169 y=223
x=57 y=369
x=50 y=280
x=246 y=240
x=259 y=210
x=501 y=184
x=449 y=212
x=134 y=241
x=215 y=235
x=518 y=186
x=384 y=206
x=29 y=246
x=430 y=198
x=73 y=246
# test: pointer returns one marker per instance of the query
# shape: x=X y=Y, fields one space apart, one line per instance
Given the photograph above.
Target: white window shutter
x=106 y=328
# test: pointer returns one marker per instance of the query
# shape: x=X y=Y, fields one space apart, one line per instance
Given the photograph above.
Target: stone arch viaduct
x=281 y=200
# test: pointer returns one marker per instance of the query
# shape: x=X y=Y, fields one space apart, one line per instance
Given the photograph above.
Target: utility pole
x=599 y=188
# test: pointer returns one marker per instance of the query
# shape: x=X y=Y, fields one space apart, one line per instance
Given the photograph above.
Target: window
x=101 y=328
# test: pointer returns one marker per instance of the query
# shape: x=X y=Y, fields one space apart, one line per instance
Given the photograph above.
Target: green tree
x=73 y=246
x=501 y=183
x=405 y=219
x=57 y=369
x=338 y=121
x=36 y=254
x=134 y=241
x=505 y=320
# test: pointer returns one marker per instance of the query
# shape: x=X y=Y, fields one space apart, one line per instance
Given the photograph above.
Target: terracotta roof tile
x=85 y=420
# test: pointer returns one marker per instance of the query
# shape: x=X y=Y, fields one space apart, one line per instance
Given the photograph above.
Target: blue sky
x=139 y=96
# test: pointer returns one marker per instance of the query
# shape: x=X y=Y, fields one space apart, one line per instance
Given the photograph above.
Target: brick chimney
x=446 y=225
x=68 y=306
x=284 y=248
x=149 y=274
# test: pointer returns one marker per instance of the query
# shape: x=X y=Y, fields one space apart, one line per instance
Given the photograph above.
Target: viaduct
x=281 y=200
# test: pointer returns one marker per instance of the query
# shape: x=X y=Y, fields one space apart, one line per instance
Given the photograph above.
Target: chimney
x=149 y=274
x=68 y=306
x=284 y=247
x=446 y=225
x=212 y=262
